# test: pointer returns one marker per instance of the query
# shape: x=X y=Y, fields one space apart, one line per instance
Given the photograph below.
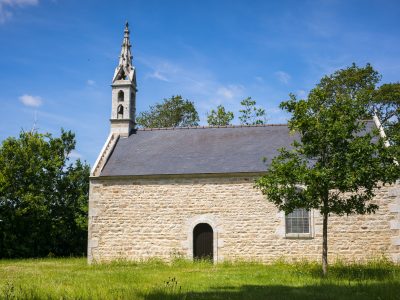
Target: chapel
x=189 y=192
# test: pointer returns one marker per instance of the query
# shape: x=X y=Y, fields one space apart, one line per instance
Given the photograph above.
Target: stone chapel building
x=189 y=192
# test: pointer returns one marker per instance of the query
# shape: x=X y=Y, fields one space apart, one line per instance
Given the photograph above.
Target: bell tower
x=124 y=91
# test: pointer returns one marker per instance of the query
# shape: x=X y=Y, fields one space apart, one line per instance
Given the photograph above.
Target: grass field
x=72 y=278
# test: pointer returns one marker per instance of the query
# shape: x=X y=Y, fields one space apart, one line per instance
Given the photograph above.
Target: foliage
x=173 y=112
x=250 y=113
x=74 y=279
x=43 y=197
x=337 y=164
x=220 y=117
x=386 y=103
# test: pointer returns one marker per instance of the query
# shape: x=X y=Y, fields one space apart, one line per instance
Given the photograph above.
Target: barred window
x=298 y=221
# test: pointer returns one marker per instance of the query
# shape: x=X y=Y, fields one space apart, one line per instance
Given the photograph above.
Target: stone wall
x=140 y=218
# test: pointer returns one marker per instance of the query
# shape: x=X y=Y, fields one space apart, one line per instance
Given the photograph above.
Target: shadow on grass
x=387 y=290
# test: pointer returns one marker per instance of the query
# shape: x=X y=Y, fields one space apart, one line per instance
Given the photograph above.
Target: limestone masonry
x=140 y=218
x=189 y=193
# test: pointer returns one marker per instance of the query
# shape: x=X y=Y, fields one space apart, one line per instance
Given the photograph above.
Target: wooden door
x=203 y=242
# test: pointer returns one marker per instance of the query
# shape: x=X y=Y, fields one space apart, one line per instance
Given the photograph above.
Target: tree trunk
x=325 y=244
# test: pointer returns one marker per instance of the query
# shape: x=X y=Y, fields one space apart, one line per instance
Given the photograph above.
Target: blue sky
x=57 y=58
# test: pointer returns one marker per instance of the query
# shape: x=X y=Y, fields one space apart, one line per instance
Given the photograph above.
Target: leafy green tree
x=220 y=117
x=173 y=112
x=387 y=106
x=336 y=165
x=43 y=197
x=250 y=113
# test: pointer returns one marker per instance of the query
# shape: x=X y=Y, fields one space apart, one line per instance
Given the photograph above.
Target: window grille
x=298 y=221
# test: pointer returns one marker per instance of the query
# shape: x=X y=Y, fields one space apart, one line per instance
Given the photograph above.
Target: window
x=298 y=221
x=120 y=112
x=120 y=96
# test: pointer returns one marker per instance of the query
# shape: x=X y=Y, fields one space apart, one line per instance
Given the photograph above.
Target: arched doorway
x=203 y=241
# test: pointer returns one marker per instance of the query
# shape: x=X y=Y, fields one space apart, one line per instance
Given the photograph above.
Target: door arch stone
x=216 y=226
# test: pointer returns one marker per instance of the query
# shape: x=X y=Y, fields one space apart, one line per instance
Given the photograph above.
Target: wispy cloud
x=162 y=69
x=157 y=75
x=7 y=7
x=200 y=84
x=91 y=82
x=193 y=80
x=230 y=91
x=283 y=77
x=184 y=78
x=32 y=101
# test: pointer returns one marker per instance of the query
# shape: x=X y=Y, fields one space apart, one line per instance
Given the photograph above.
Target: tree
x=386 y=104
x=43 y=197
x=173 y=112
x=220 y=117
x=336 y=165
x=250 y=113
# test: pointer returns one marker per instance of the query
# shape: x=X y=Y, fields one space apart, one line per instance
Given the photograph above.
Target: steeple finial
x=126 y=55
x=125 y=67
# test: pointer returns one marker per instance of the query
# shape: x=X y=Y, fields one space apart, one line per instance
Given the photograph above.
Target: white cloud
x=29 y=100
x=162 y=69
x=91 y=82
x=187 y=79
x=195 y=82
x=225 y=92
x=6 y=7
x=157 y=75
x=283 y=77
x=231 y=91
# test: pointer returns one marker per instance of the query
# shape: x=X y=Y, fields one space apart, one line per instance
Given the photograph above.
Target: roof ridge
x=220 y=126
x=208 y=127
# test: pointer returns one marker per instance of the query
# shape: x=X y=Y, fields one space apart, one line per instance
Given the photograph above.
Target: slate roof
x=198 y=150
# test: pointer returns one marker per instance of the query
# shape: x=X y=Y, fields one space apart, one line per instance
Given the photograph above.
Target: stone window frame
x=308 y=235
x=305 y=235
x=217 y=240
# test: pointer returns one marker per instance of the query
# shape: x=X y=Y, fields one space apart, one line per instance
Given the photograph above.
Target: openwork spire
x=125 y=69
x=125 y=58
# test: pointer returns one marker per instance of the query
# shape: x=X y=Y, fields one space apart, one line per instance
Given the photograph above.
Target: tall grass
x=72 y=278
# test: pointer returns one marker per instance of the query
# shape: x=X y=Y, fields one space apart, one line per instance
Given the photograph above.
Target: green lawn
x=72 y=278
